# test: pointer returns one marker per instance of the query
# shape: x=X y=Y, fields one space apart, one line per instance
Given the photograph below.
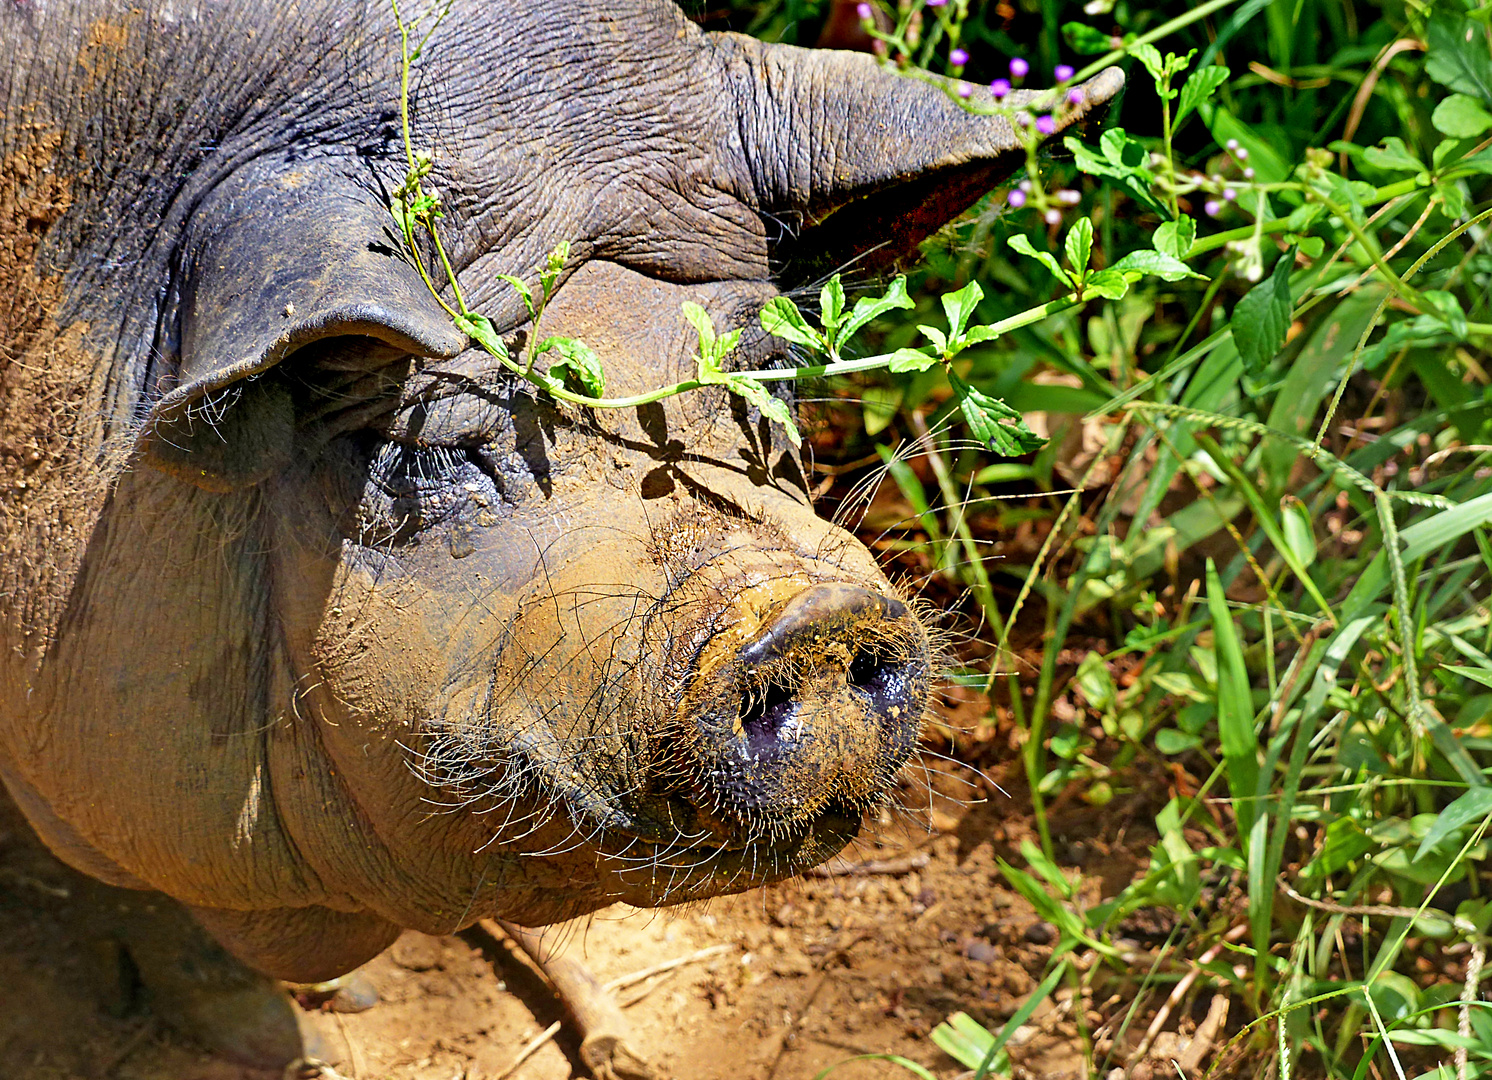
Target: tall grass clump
x=1250 y=570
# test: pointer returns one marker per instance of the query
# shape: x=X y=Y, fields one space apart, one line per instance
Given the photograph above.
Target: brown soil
x=814 y=972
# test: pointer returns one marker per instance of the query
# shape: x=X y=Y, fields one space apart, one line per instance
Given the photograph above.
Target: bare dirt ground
x=805 y=975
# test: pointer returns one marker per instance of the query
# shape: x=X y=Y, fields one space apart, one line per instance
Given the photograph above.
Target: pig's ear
x=274 y=260
x=868 y=161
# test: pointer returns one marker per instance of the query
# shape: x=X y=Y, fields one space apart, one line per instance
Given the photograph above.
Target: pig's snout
x=807 y=709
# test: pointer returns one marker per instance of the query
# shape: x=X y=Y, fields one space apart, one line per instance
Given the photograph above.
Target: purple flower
x=1016 y=199
x=1068 y=197
x=1231 y=144
x=1000 y=87
x=1019 y=68
x=964 y=89
x=1063 y=72
x=1212 y=207
x=1045 y=124
x=936 y=3
x=1248 y=174
x=1229 y=194
x=1243 y=154
x=863 y=10
x=1053 y=216
x=958 y=57
x=1074 y=96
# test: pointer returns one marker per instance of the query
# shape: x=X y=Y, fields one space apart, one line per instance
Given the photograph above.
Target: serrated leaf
x=1020 y=243
x=1461 y=117
x=831 y=306
x=903 y=360
x=959 y=306
x=1111 y=284
x=1175 y=238
x=1079 y=245
x=1393 y=156
x=870 y=307
x=984 y=416
x=1201 y=86
x=781 y=318
x=1457 y=56
x=479 y=329
x=1262 y=318
x=1158 y=263
x=773 y=408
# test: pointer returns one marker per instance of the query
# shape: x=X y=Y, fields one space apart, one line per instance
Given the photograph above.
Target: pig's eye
x=413 y=493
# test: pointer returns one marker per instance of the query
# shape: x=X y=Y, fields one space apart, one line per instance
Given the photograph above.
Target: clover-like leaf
x=1393 y=156
x=871 y=307
x=578 y=358
x=781 y=318
x=1023 y=245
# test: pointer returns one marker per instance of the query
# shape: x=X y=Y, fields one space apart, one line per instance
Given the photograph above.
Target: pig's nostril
x=769 y=716
x=890 y=687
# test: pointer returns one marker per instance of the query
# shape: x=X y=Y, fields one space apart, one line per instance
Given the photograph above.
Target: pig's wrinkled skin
x=313 y=619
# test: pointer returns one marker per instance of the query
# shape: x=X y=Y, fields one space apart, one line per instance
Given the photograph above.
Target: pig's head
x=373 y=629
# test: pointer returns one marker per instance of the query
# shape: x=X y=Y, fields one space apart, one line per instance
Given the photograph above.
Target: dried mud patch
x=52 y=475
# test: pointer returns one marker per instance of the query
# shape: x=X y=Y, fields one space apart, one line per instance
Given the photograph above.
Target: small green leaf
x=1201 y=86
x=1461 y=117
x=1169 y=741
x=1472 y=806
x=709 y=361
x=773 y=408
x=1150 y=56
x=959 y=306
x=1393 y=156
x=831 y=306
x=1261 y=319
x=1158 y=263
x=781 y=318
x=1086 y=41
x=1122 y=159
x=868 y=307
x=1175 y=238
x=479 y=329
x=522 y=287
x=936 y=336
x=1111 y=284
x=977 y=335
x=986 y=416
x=1079 y=245
x=578 y=358
x=904 y=360
x=1020 y=243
